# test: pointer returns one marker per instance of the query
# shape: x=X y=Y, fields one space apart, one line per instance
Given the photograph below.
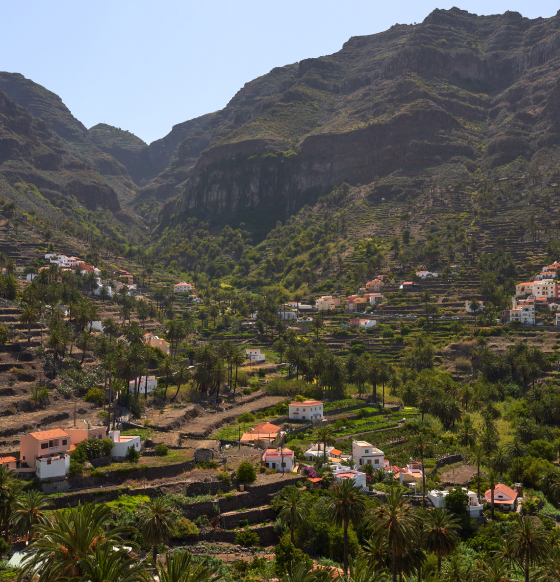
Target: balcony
x=55 y=448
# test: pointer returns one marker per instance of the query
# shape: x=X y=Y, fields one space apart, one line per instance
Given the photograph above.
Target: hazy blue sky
x=145 y=65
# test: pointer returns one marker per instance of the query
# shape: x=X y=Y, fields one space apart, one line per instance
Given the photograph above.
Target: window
x=377 y=461
x=51 y=444
x=64 y=442
x=44 y=445
x=366 y=452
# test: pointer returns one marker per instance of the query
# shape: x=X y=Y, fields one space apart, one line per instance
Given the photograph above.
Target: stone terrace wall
x=254 y=496
x=257 y=515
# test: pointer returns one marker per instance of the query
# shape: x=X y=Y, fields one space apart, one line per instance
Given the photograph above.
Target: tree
x=421 y=445
x=70 y=536
x=289 y=559
x=317 y=324
x=237 y=359
x=166 y=368
x=29 y=512
x=348 y=506
x=182 y=376
x=246 y=473
x=292 y=509
x=440 y=533
x=492 y=477
x=528 y=544
x=476 y=456
x=28 y=317
x=179 y=567
x=324 y=435
x=395 y=525
x=155 y=525
x=110 y=564
x=83 y=342
x=10 y=487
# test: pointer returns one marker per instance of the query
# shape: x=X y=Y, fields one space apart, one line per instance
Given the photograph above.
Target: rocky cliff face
x=443 y=98
x=48 y=107
x=31 y=153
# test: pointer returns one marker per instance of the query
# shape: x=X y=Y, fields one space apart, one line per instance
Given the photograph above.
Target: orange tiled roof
x=44 y=435
x=505 y=490
x=4 y=460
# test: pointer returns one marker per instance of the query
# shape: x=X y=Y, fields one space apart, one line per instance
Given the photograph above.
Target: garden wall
x=258 y=515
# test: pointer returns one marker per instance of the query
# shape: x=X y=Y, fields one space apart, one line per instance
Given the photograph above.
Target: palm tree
x=528 y=544
x=166 y=368
x=182 y=376
x=383 y=378
x=109 y=564
x=110 y=327
x=500 y=460
x=360 y=571
x=476 y=456
x=179 y=567
x=10 y=487
x=30 y=512
x=395 y=525
x=440 y=533
x=421 y=445
x=492 y=478
x=494 y=569
x=69 y=537
x=29 y=316
x=155 y=525
x=325 y=435
x=83 y=342
x=237 y=359
x=292 y=508
x=348 y=505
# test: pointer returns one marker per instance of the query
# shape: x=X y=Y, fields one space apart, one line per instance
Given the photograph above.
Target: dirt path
x=358 y=434
x=203 y=425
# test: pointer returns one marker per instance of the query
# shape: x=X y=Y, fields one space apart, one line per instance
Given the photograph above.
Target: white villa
x=254 y=356
x=474 y=507
x=364 y=453
x=308 y=410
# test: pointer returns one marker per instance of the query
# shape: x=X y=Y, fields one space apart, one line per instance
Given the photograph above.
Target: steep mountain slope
x=31 y=153
x=430 y=103
x=145 y=162
x=45 y=105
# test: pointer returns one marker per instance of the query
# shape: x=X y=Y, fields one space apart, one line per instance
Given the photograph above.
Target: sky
x=146 y=65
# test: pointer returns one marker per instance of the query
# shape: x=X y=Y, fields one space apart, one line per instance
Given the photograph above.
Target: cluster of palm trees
x=81 y=544
x=400 y=537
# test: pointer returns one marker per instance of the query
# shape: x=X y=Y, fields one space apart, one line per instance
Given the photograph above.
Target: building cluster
x=531 y=297
x=46 y=454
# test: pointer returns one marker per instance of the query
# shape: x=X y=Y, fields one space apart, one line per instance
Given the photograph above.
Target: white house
x=426 y=274
x=254 y=356
x=315 y=451
x=287 y=315
x=363 y=453
x=345 y=473
x=523 y=314
x=150 y=385
x=480 y=306
x=363 y=323
x=182 y=287
x=474 y=507
x=524 y=289
x=98 y=290
x=505 y=498
x=96 y=326
x=375 y=298
x=122 y=444
x=281 y=459
x=308 y=410
x=544 y=288
x=52 y=467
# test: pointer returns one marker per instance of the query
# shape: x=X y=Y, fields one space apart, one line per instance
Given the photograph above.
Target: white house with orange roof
x=522 y=289
x=183 y=287
x=47 y=451
x=505 y=498
x=412 y=473
x=262 y=435
x=281 y=459
x=308 y=410
x=254 y=355
x=9 y=462
x=122 y=443
x=363 y=323
x=344 y=473
x=374 y=298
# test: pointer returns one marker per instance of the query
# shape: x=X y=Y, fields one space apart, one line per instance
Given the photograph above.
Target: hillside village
x=310 y=337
